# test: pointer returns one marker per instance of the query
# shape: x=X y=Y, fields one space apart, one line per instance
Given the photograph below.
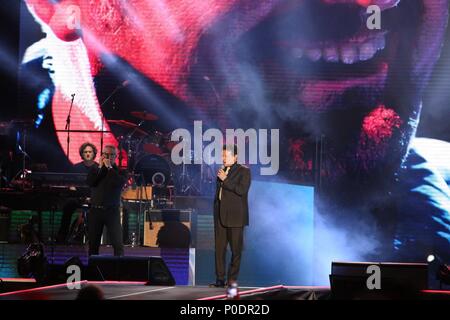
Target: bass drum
x=152 y=169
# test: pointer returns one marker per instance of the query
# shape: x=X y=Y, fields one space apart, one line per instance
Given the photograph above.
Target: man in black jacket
x=106 y=184
x=230 y=214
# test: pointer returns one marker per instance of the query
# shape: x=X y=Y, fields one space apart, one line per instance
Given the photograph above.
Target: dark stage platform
x=139 y=291
x=115 y=290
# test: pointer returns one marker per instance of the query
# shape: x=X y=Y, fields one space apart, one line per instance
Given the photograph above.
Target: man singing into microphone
x=230 y=214
x=106 y=184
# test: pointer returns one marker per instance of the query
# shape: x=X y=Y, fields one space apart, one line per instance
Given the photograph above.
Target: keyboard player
x=88 y=153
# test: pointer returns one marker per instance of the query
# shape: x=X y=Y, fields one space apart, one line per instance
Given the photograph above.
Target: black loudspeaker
x=168 y=228
x=15 y=284
x=153 y=270
x=397 y=280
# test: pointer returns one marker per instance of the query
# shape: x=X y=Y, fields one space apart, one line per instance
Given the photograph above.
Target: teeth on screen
x=346 y=52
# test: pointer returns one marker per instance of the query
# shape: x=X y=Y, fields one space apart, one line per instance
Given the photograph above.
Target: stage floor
x=115 y=290
x=139 y=291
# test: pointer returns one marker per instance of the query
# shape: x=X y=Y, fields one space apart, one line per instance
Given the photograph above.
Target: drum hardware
x=6 y=152
x=208 y=179
x=207 y=176
x=153 y=144
x=128 y=145
x=130 y=125
x=125 y=142
x=21 y=144
x=144 y=115
x=145 y=163
x=187 y=184
x=117 y=88
x=152 y=168
x=140 y=194
x=79 y=228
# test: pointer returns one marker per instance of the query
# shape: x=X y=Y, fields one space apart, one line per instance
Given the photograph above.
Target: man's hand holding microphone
x=222 y=173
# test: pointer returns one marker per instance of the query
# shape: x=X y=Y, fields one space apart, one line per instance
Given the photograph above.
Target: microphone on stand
x=208 y=79
x=120 y=86
x=70 y=111
x=68 y=124
x=218 y=100
x=125 y=83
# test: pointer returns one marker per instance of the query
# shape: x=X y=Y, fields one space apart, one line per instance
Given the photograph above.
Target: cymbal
x=143 y=115
x=128 y=125
x=123 y=123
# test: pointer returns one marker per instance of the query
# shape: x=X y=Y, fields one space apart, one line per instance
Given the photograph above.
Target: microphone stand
x=217 y=121
x=130 y=154
x=218 y=100
x=68 y=124
x=103 y=117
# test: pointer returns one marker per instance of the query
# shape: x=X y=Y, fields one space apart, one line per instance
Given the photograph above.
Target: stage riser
x=177 y=260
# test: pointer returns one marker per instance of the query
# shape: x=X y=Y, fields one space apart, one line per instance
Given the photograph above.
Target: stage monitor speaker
x=16 y=284
x=153 y=270
x=397 y=280
x=168 y=228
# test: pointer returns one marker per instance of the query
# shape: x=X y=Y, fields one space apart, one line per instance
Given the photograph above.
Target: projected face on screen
x=307 y=62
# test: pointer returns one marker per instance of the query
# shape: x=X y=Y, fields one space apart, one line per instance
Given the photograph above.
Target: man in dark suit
x=106 y=184
x=230 y=214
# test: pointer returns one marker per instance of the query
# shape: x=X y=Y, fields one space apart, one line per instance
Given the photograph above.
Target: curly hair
x=84 y=146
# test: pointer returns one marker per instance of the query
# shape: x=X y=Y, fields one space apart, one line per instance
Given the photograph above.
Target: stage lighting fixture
x=443 y=269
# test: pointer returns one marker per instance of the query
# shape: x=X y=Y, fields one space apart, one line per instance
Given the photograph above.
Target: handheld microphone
x=221 y=168
x=225 y=169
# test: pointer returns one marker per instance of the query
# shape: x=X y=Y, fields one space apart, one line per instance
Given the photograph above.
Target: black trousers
x=97 y=219
x=235 y=238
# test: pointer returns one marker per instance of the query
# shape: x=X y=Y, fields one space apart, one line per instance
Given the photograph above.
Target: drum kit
x=148 y=160
x=154 y=178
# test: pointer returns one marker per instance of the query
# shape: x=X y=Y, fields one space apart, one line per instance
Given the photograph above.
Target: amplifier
x=168 y=228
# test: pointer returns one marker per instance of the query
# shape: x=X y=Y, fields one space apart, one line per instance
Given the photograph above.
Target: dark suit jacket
x=106 y=185
x=232 y=210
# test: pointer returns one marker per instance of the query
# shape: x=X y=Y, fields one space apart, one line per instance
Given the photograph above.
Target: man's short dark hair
x=230 y=148
x=84 y=146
